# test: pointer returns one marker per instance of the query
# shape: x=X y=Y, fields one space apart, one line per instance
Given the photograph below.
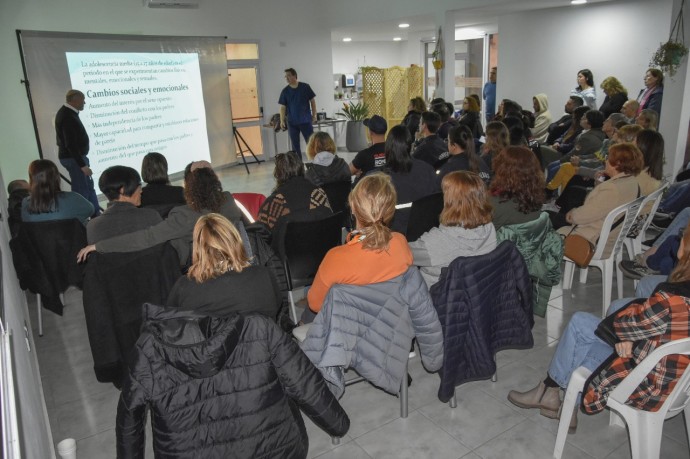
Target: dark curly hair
x=519 y=177
x=202 y=189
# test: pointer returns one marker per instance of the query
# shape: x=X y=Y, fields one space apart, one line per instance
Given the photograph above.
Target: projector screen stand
x=238 y=139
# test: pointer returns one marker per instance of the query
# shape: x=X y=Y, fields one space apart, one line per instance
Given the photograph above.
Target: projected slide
x=141 y=102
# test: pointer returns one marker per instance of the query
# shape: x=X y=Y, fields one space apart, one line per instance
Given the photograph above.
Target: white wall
x=542 y=51
x=287 y=38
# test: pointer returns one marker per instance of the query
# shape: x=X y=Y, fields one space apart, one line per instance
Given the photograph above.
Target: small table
x=318 y=126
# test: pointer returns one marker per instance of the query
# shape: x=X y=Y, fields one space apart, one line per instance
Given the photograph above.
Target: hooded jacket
x=542 y=119
x=438 y=247
x=221 y=388
x=327 y=168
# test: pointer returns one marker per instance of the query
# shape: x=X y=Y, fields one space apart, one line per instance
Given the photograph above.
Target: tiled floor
x=484 y=425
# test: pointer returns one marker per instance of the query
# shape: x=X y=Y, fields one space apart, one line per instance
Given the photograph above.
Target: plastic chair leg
x=568 y=272
x=403 y=395
x=293 y=311
x=607 y=279
x=453 y=402
x=619 y=279
x=615 y=419
x=39 y=312
x=575 y=385
x=645 y=436
x=583 y=275
x=686 y=415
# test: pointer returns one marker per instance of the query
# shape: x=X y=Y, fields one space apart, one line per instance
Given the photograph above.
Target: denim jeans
x=294 y=131
x=677 y=197
x=647 y=284
x=81 y=183
x=677 y=225
x=578 y=346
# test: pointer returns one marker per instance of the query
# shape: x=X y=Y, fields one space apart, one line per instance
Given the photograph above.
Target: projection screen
x=143 y=94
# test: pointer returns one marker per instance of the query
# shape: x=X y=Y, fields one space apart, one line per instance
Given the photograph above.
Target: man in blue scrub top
x=298 y=102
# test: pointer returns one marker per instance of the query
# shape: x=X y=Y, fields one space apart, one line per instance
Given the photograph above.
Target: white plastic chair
x=634 y=245
x=644 y=427
x=607 y=264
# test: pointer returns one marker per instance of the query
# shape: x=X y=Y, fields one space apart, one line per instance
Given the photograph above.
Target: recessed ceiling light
x=347 y=39
x=578 y=2
x=404 y=25
x=397 y=39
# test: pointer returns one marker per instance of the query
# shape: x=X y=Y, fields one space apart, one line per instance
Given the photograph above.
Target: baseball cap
x=376 y=124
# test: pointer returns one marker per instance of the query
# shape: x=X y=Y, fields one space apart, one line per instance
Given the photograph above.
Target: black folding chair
x=424 y=215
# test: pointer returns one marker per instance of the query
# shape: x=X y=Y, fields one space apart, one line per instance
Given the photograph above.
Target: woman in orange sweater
x=373 y=252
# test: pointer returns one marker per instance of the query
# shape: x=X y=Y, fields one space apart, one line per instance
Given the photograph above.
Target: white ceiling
x=484 y=18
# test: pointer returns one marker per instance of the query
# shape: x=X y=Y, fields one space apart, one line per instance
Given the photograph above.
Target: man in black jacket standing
x=73 y=146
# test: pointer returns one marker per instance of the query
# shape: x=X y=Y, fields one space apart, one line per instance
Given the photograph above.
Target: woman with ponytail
x=463 y=156
x=373 y=253
x=640 y=326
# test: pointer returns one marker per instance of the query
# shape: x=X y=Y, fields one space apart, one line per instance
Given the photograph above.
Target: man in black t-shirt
x=373 y=157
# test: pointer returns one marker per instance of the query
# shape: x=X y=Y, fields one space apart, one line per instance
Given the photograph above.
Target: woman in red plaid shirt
x=641 y=325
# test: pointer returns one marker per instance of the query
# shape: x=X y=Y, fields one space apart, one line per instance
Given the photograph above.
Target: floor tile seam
x=470 y=449
x=100 y=431
x=409 y=412
x=78 y=399
x=334 y=447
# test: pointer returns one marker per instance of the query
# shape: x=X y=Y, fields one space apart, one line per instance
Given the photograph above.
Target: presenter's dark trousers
x=294 y=130
x=81 y=183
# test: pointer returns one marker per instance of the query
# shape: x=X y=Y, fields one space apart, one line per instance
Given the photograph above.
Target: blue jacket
x=484 y=304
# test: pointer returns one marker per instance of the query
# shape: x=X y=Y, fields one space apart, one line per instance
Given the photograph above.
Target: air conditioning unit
x=180 y=4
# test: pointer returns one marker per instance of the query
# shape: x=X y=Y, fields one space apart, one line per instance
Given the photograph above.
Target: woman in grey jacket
x=465 y=230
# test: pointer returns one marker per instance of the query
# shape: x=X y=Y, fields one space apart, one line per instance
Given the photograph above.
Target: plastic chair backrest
x=655 y=198
x=676 y=401
x=629 y=213
x=251 y=201
x=424 y=215
x=306 y=244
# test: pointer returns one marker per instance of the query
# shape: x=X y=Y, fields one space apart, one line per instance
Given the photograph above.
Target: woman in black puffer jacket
x=228 y=387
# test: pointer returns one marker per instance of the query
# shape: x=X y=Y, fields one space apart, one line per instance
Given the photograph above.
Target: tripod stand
x=238 y=138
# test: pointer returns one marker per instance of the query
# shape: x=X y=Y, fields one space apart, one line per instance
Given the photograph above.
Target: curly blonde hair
x=217 y=248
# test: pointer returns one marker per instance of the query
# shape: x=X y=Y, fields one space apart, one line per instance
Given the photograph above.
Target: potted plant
x=355 y=134
x=670 y=54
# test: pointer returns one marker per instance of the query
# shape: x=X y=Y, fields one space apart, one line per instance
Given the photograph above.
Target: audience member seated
x=622 y=167
x=506 y=107
x=221 y=387
x=629 y=109
x=203 y=193
x=221 y=281
x=373 y=252
x=46 y=202
x=430 y=148
x=616 y=96
x=471 y=117
x=441 y=108
x=17 y=190
x=591 y=138
x=325 y=166
x=415 y=108
x=641 y=325
x=517 y=189
x=651 y=144
x=585 y=88
x=122 y=186
x=542 y=118
x=465 y=230
x=651 y=96
x=566 y=142
x=648 y=119
x=373 y=157
x=497 y=138
x=158 y=192
x=560 y=126
x=294 y=198
x=462 y=155
x=587 y=165
x=413 y=179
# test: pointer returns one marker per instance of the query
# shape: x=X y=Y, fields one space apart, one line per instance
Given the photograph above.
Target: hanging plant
x=436 y=60
x=670 y=54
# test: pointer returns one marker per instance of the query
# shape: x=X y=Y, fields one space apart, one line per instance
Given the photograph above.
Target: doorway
x=245 y=95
